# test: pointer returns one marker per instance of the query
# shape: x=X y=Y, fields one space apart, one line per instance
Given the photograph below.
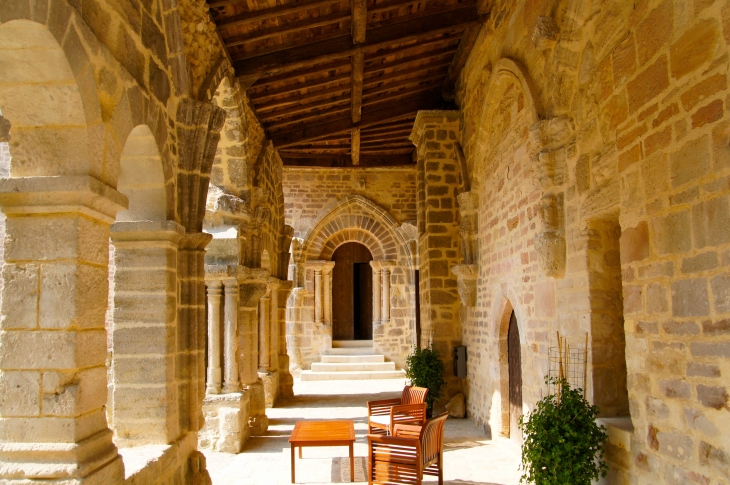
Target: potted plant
x=424 y=368
x=562 y=443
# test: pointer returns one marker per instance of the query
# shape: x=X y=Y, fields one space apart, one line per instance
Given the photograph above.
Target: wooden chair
x=409 y=409
x=412 y=451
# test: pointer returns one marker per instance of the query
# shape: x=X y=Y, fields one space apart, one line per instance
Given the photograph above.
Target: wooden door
x=363 y=318
x=515 y=378
x=343 y=289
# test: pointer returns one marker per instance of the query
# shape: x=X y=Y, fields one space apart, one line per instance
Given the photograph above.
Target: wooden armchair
x=412 y=451
x=409 y=409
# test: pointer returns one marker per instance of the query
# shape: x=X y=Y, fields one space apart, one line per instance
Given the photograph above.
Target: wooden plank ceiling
x=339 y=82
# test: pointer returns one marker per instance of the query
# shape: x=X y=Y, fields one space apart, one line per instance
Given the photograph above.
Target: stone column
x=264 y=337
x=214 y=337
x=253 y=283
x=377 y=303
x=327 y=297
x=53 y=376
x=385 y=293
x=230 y=340
x=191 y=328
x=318 y=295
x=286 y=380
x=144 y=399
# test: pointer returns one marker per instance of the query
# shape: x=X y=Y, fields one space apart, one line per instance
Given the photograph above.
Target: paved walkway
x=469 y=457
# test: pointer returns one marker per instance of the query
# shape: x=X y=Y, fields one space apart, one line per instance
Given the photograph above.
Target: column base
x=271 y=386
x=93 y=461
x=226 y=419
x=258 y=422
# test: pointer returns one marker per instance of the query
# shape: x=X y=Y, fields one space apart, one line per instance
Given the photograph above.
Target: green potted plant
x=562 y=443
x=425 y=368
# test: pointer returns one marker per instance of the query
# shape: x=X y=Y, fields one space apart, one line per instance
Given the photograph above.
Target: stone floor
x=470 y=458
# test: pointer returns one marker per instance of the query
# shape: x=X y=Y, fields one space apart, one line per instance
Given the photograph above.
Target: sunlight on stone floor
x=470 y=458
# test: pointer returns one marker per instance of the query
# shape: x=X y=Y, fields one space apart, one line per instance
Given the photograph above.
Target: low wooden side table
x=323 y=433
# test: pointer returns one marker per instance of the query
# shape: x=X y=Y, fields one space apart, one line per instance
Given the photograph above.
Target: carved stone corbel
x=466 y=279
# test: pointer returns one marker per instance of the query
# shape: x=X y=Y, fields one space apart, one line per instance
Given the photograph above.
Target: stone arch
x=54 y=124
x=141 y=178
x=355 y=219
x=221 y=72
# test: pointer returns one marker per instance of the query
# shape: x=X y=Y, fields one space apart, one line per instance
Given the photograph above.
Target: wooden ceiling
x=339 y=82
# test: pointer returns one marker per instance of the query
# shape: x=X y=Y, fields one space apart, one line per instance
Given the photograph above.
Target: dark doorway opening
x=514 y=360
x=352 y=293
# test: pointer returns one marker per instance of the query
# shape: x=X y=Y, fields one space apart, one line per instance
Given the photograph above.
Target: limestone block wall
x=606 y=143
x=308 y=191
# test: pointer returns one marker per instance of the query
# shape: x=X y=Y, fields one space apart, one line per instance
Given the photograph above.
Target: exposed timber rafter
x=405 y=109
x=340 y=47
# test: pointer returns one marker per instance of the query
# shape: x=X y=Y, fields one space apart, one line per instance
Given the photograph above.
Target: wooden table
x=323 y=433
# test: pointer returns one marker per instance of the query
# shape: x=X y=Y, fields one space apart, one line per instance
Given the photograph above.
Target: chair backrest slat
x=432 y=438
x=413 y=395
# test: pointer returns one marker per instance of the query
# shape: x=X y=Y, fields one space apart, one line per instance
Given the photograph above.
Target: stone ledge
x=619 y=431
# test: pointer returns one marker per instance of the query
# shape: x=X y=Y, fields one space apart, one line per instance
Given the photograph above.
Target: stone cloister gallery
x=188 y=183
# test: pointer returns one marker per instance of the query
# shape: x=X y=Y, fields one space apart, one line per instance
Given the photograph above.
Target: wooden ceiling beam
x=397 y=96
x=342 y=106
x=267 y=13
x=260 y=87
x=396 y=135
x=307 y=99
x=405 y=109
x=432 y=62
x=355 y=146
x=295 y=88
x=287 y=28
x=356 y=83
x=269 y=63
x=313 y=108
x=402 y=144
x=340 y=161
x=286 y=125
x=386 y=152
x=408 y=83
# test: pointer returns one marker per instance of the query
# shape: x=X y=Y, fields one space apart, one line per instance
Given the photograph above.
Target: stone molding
x=60 y=194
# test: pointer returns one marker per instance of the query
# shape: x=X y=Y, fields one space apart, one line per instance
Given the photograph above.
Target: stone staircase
x=352 y=360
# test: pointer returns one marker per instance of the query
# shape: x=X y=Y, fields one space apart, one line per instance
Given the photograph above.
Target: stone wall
x=604 y=139
x=310 y=191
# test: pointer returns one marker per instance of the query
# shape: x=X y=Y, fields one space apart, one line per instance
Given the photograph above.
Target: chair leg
x=441 y=469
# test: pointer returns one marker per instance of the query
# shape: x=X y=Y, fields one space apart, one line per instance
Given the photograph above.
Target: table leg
x=292 y=462
x=352 y=464
x=300 y=452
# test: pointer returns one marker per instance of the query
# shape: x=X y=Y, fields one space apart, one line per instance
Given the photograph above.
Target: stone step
x=352 y=343
x=308 y=375
x=349 y=367
x=351 y=351
x=353 y=359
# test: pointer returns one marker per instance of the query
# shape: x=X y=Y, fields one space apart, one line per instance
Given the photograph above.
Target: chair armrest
x=408 y=414
x=382 y=406
x=407 y=431
x=392 y=440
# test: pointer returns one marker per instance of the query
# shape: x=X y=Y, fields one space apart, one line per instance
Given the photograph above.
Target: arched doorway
x=514 y=360
x=352 y=293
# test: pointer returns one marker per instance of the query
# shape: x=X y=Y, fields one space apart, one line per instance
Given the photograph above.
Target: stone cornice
x=143 y=231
